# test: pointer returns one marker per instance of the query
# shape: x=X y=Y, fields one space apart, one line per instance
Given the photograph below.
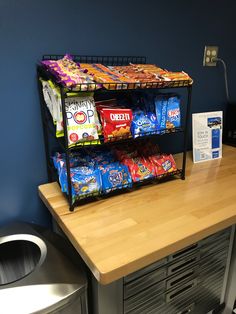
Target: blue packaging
x=167 y=108
x=86 y=182
x=173 y=112
x=142 y=124
x=115 y=176
x=161 y=102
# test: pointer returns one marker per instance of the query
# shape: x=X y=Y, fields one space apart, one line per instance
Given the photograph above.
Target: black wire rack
x=112 y=61
x=48 y=127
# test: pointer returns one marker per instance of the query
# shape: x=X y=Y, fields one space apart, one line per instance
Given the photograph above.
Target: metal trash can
x=40 y=272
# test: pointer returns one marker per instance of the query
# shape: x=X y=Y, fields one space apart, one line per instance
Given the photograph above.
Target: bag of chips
x=140 y=168
x=163 y=164
x=115 y=176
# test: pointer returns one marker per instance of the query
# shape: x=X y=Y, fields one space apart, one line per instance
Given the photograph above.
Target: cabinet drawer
x=182 y=277
x=214 y=247
x=184 y=252
x=149 y=297
x=145 y=270
x=180 y=292
x=182 y=264
x=144 y=282
x=216 y=237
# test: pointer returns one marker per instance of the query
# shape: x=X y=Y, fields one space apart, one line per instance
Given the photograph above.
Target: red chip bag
x=116 y=123
x=140 y=168
x=163 y=164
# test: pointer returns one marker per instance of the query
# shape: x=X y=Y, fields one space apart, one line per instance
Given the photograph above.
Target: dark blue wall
x=170 y=33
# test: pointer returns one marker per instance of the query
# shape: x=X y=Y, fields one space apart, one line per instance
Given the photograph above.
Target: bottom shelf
x=92 y=197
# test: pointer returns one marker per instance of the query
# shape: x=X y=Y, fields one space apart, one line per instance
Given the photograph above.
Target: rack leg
x=187 y=123
x=45 y=130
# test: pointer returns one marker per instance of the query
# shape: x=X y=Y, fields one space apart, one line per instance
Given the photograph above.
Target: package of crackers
x=116 y=123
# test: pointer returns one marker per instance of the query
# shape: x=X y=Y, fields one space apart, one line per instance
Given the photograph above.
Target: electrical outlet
x=209 y=53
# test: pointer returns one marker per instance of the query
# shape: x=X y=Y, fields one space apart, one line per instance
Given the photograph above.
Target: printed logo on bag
x=119 y=117
x=74 y=137
x=80 y=117
x=166 y=165
x=174 y=114
x=115 y=178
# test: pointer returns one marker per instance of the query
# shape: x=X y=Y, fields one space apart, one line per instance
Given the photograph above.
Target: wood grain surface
x=121 y=234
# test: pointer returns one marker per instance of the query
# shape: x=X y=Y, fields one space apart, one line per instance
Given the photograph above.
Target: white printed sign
x=207 y=136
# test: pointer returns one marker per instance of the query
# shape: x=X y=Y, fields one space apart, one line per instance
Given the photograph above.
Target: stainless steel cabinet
x=192 y=280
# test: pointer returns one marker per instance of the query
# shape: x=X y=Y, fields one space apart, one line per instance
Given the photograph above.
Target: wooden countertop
x=119 y=235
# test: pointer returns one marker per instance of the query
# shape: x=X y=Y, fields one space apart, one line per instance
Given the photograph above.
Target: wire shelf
x=106 y=60
x=113 y=85
x=82 y=200
x=119 y=139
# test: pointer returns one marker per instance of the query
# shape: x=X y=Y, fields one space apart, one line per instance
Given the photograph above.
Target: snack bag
x=68 y=73
x=115 y=176
x=116 y=123
x=85 y=182
x=81 y=124
x=161 y=102
x=173 y=112
x=140 y=168
x=142 y=125
x=163 y=164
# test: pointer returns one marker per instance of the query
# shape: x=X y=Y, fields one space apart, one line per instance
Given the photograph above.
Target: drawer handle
x=176 y=267
x=175 y=281
x=175 y=294
x=185 y=251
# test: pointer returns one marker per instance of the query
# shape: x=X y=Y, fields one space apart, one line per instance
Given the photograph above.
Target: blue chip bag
x=161 y=102
x=115 y=176
x=173 y=112
x=85 y=181
x=142 y=124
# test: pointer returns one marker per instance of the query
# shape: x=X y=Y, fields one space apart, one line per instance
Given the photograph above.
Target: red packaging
x=163 y=164
x=116 y=123
x=140 y=168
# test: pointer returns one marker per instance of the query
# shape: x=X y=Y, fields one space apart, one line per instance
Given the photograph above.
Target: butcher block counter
x=121 y=234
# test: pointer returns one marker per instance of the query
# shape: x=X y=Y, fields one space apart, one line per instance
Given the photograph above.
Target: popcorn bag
x=81 y=120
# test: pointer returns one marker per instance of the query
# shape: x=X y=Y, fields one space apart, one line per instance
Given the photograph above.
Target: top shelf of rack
x=126 y=83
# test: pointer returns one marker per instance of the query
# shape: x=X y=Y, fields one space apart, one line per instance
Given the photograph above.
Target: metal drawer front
x=219 y=257
x=184 y=252
x=180 y=292
x=144 y=282
x=145 y=270
x=178 y=305
x=181 y=278
x=144 y=298
x=216 y=237
x=183 y=264
x=214 y=247
x=148 y=307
